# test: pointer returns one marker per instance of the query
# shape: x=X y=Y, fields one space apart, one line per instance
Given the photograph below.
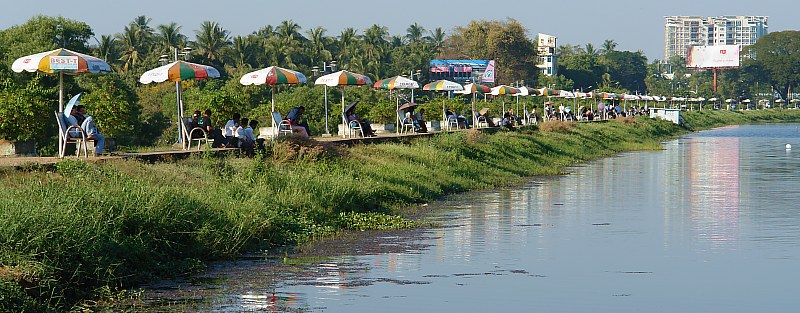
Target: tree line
x=139 y=115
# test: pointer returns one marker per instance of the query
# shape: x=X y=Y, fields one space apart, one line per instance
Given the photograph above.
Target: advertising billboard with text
x=700 y=57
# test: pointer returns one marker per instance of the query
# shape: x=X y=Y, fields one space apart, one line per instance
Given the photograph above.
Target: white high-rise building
x=680 y=32
x=548 y=63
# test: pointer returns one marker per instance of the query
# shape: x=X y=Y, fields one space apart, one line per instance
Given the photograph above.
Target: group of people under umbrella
x=63 y=61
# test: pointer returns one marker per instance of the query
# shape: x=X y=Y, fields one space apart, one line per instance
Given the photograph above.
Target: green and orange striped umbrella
x=443 y=85
x=343 y=78
x=503 y=90
x=397 y=82
x=272 y=76
x=475 y=88
x=548 y=92
x=178 y=71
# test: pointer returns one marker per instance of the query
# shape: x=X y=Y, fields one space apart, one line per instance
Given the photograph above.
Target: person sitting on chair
x=230 y=130
x=212 y=133
x=419 y=119
x=365 y=125
x=87 y=124
x=299 y=125
x=247 y=140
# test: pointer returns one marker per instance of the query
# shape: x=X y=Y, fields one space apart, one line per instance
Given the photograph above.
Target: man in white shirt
x=247 y=139
x=230 y=130
x=90 y=129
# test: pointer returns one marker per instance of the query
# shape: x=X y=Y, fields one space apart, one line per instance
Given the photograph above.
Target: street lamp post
x=316 y=70
x=163 y=59
x=414 y=75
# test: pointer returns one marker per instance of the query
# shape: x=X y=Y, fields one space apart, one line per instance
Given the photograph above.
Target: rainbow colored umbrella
x=176 y=72
x=272 y=76
x=548 y=92
x=473 y=88
x=61 y=61
x=397 y=82
x=443 y=85
x=343 y=78
x=504 y=90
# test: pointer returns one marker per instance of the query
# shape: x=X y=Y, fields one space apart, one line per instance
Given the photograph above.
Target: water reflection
x=710 y=223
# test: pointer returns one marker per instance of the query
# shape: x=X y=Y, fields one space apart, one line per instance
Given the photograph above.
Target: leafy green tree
x=414 y=33
x=113 y=104
x=169 y=36
x=42 y=33
x=776 y=57
x=25 y=112
x=583 y=69
x=318 y=46
x=627 y=68
x=609 y=46
x=107 y=48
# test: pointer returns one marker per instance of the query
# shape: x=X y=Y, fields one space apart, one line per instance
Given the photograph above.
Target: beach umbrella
x=397 y=82
x=343 y=78
x=176 y=72
x=272 y=76
x=548 y=92
x=473 y=89
x=61 y=61
x=504 y=90
x=443 y=85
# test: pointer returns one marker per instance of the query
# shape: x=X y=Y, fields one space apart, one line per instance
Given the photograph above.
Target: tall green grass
x=76 y=232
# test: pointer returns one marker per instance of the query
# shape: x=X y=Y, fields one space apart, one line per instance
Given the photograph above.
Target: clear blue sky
x=634 y=25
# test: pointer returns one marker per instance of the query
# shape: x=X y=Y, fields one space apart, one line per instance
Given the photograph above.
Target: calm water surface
x=710 y=224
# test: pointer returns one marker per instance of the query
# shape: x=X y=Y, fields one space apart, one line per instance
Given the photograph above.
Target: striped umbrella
x=272 y=76
x=397 y=82
x=443 y=85
x=504 y=90
x=176 y=72
x=343 y=78
x=62 y=61
x=548 y=92
x=473 y=88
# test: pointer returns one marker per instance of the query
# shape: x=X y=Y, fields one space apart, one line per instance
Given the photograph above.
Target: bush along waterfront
x=84 y=230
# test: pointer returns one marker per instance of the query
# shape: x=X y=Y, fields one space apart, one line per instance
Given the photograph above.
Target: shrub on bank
x=85 y=228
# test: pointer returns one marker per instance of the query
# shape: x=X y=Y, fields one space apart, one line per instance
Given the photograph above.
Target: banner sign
x=63 y=62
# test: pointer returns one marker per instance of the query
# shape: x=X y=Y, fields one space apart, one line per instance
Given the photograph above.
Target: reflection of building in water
x=713 y=170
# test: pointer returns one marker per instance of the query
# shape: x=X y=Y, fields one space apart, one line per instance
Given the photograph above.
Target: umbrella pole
x=180 y=111
x=444 y=112
x=274 y=127
x=61 y=109
x=474 y=117
x=397 y=111
x=344 y=119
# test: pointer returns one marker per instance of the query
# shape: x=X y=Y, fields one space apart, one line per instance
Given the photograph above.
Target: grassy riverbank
x=85 y=230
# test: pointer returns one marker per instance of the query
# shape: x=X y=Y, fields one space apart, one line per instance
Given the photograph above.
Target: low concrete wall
x=17 y=148
x=672 y=115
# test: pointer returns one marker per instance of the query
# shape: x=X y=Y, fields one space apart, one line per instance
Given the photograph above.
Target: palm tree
x=348 y=42
x=609 y=45
x=169 y=35
x=106 y=47
x=436 y=37
x=132 y=51
x=590 y=49
x=414 y=33
x=211 y=41
x=318 y=51
x=288 y=29
x=243 y=50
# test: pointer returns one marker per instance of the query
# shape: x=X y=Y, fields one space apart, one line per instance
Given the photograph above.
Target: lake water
x=709 y=224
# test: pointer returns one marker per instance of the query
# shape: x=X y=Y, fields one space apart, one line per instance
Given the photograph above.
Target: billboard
x=725 y=56
x=462 y=70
